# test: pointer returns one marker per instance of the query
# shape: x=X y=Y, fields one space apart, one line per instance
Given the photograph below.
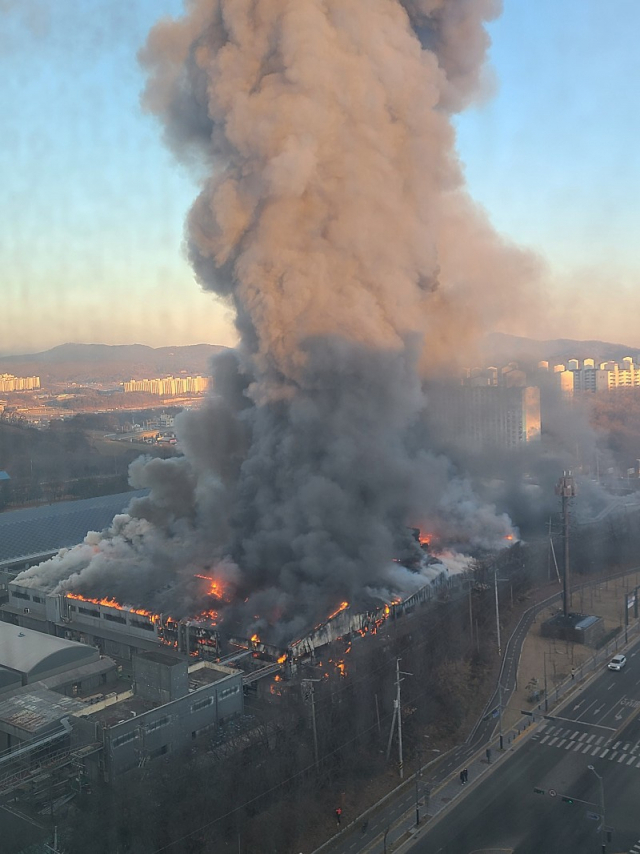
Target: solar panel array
x=36 y=530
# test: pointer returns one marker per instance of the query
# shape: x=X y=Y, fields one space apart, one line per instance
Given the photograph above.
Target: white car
x=617 y=662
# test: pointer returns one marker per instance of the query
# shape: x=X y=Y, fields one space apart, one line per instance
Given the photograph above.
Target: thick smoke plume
x=334 y=220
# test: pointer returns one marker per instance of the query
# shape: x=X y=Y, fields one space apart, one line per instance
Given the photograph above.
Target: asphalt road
x=503 y=813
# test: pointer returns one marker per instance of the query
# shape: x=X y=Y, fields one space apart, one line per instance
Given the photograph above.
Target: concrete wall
x=171 y=726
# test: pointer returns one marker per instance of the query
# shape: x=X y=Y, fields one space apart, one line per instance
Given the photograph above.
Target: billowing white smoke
x=334 y=220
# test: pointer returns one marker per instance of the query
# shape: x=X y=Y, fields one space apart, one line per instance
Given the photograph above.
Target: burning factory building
x=122 y=631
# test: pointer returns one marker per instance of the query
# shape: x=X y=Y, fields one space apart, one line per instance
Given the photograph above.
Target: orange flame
x=425 y=538
x=282 y=658
x=342 y=607
x=255 y=639
x=215 y=587
x=112 y=603
x=210 y=616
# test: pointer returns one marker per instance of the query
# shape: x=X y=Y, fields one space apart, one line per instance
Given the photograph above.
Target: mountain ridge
x=110 y=362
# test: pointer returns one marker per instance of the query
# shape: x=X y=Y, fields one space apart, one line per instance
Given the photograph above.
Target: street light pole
x=500 y=713
x=495 y=586
x=602 y=815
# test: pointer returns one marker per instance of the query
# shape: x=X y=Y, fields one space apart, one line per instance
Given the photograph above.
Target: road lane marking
x=582 y=737
x=631 y=761
x=596 y=750
x=576 y=745
x=591 y=737
x=553 y=740
x=587 y=748
x=542 y=740
x=622 y=757
x=604 y=753
x=561 y=742
x=574 y=734
x=584 y=711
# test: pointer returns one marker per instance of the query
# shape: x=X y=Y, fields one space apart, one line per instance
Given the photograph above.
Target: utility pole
x=418 y=777
x=500 y=713
x=495 y=586
x=307 y=687
x=397 y=717
x=398 y=680
x=602 y=817
x=566 y=489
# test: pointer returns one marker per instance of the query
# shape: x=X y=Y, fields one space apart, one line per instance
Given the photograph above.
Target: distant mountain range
x=84 y=363
x=499 y=349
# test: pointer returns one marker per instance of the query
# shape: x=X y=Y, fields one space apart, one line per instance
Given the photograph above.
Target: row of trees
x=62 y=461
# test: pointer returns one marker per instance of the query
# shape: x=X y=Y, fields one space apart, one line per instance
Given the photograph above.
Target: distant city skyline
x=93 y=205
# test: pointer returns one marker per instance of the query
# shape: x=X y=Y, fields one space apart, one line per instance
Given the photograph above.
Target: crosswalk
x=590 y=744
x=635 y=849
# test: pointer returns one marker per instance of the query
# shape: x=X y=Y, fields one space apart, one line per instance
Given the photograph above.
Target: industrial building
x=91 y=689
x=106 y=733
x=114 y=630
x=27 y=656
x=170 y=704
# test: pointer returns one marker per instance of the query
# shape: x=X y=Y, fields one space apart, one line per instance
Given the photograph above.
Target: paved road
x=504 y=813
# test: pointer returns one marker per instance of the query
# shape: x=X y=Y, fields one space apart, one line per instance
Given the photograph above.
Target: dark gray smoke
x=333 y=219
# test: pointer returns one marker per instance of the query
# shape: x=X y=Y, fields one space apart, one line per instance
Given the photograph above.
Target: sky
x=92 y=205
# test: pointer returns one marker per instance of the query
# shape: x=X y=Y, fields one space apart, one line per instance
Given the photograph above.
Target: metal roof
x=37 y=530
x=38 y=709
x=30 y=653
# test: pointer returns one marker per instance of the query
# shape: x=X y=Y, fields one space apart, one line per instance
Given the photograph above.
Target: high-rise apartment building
x=586 y=377
x=10 y=383
x=487 y=416
x=169 y=386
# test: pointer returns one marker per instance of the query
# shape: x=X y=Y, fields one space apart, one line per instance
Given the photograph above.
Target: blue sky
x=92 y=205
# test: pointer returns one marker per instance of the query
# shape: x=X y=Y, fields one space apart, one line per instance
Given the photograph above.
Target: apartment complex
x=10 y=383
x=585 y=376
x=169 y=386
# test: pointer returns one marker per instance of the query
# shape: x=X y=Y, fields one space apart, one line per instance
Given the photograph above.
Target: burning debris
x=334 y=221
